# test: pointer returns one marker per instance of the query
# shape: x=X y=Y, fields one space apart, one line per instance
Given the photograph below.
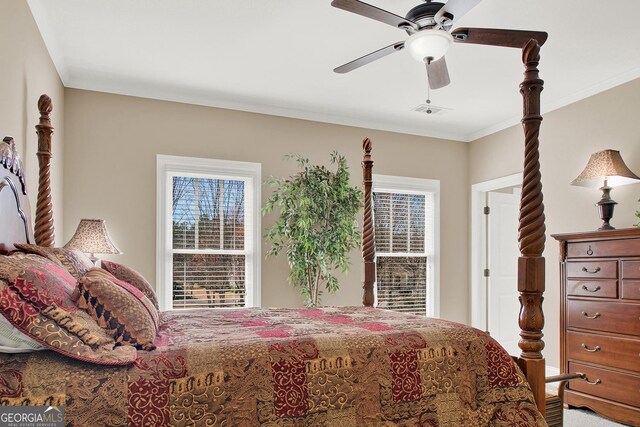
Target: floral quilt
x=343 y=367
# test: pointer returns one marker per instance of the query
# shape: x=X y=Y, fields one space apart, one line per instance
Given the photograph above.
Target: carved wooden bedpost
x=531 y=232
x=368 y=241
x=44 y=231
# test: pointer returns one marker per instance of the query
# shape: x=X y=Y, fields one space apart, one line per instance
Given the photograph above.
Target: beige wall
x=568 y=137
x=110 y=173
x=26 y=72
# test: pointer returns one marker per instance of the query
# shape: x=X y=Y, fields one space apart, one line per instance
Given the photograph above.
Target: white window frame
x=170 y=166
x=402 y=184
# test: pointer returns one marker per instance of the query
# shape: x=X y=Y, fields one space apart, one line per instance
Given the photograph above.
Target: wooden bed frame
x=531 y=232
x=531 y=236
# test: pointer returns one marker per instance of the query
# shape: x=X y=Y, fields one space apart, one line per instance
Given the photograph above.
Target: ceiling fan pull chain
x=428 y=88
x=428 y=111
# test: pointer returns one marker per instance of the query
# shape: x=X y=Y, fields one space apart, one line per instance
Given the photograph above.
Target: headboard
x=15 y=221
x=15 y=209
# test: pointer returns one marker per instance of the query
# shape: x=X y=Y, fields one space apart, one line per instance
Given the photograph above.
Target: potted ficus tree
x=317 y=224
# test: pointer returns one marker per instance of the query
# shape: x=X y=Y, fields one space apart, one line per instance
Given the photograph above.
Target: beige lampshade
x=92 y=237
x=605 y=165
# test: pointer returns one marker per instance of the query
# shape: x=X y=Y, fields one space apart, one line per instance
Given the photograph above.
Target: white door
x=502 y=292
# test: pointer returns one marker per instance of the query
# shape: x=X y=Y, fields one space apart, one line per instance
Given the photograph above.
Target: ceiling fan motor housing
x=423 y=14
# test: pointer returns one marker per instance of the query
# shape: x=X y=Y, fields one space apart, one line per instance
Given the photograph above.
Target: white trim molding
x=251 y=173
x=387 y=183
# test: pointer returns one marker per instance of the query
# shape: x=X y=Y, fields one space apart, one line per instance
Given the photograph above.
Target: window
x=208 y=233
x=406 y=215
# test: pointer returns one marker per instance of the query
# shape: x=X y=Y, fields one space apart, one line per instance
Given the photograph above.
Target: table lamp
x=605 y=168
x=92 y=237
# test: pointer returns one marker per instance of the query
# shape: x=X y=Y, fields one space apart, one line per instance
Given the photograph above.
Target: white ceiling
x=277 y=57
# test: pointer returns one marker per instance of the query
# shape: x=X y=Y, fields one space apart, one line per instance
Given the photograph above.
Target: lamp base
x=94 y=259
x=606 y=226
x=605 y=207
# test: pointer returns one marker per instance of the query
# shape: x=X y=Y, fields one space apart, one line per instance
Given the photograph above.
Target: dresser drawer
x=593 y=269
x=593 y=288
x=631 y=269
x=617 y=317
x=609 y=248
x=631 y=289
x=603 y=350
x=611 y=385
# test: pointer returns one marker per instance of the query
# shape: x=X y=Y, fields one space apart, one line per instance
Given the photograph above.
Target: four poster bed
x=350 y=366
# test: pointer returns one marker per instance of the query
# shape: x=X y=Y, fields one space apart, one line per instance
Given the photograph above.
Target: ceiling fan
x=430 y=36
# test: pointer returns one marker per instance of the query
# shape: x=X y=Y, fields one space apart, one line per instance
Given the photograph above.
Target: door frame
x=478 y=256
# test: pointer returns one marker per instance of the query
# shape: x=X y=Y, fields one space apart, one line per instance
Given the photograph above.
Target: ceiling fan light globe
x=431 y=44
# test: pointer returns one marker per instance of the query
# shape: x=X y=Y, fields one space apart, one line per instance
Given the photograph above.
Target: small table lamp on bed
x=606 y=167
x=92 y=237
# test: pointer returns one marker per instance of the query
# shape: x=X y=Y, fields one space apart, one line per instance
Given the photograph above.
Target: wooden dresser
x=600 y=320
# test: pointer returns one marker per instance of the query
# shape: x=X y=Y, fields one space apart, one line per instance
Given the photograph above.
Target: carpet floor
x=586 y=418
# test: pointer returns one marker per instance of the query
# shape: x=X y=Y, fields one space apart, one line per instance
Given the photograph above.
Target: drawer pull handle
x=595 y=270
x=595 y=316
x=596 y=289
x=596 y=382
x=590 y=350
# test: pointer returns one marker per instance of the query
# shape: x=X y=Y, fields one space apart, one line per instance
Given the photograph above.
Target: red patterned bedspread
x=285 y=367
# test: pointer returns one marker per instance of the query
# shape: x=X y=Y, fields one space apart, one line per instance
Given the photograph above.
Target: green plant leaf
x=317 y=224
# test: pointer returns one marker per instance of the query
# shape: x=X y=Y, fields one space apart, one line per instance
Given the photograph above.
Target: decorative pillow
x=118 y=307
x=35 y=297
x=77 y=263
x=132 y=277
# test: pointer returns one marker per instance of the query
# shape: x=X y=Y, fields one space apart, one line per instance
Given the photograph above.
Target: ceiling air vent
x=429 y=109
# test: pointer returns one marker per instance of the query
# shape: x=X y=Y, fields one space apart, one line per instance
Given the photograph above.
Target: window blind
x=208 y=242
x=201 y=280
x=402 y=283
x=402 y=267
x=399 y=222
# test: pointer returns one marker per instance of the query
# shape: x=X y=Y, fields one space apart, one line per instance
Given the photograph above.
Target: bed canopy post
x=368 y=242
x=44 y=231
x=531 y=232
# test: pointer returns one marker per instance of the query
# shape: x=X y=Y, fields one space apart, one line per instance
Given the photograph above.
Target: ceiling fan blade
x=438 y=73
x=456 y=8
x=373 y=12
x=364 y=60
x=497 y=37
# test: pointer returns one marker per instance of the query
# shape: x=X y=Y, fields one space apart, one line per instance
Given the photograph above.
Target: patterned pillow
x=120 y=308
x=77 y=263
x=131 y=276
x=35 y=297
